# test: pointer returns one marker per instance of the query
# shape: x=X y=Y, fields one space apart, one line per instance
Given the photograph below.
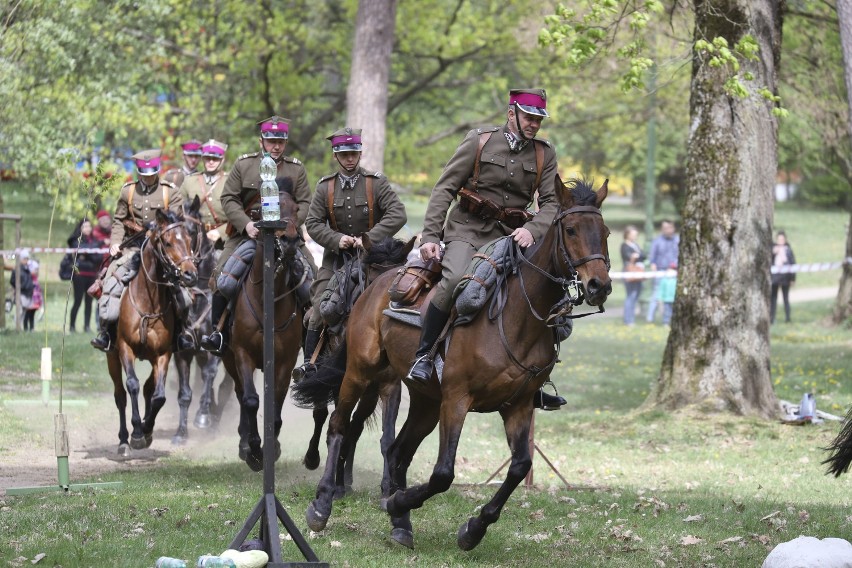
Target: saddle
x=412 y=280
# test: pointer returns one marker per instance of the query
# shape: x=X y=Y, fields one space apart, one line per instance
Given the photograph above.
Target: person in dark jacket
x=631 y=255
x=86 y=270
x=782 y=255
x=27 y=289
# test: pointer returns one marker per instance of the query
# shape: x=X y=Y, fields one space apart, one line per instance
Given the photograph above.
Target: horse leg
x=366 y=407
x=182 y=364
x=137 y=437
x=312 y=456
x=155 y=395
x=226 y=387
x=390 y=411
x=319 y=510
x=249 y=406
x=282 y=384
x=422 y=418
x=209 y=365
x=120 y=396
x=452 y=416
x=516 y=421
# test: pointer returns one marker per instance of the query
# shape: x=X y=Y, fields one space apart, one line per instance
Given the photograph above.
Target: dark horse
x=495 y=363
x=245 y=351
x=313 y=393
x=146 y=320
x=841 y=449
x=199 y=323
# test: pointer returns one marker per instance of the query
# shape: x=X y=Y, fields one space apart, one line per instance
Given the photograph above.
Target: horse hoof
x=316 y=521
x=243 y=453
x=149 y=439
x=403 y=537
x=311 y=460
x=254 y=463
x=277 y=450
x=138 y=443
x=383 y=504
x=466 y=540
x=124 y=450
x=179 y=440
x=202 y=421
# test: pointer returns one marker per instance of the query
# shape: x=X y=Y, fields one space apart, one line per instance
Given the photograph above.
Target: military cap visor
x=147 y=162
x=532 y=101
x=191 y=148
x=274 y=127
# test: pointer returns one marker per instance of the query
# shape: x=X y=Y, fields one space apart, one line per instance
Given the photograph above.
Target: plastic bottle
x=807 y=408
x=210 y=561
x=269 y=203
x=169 y=562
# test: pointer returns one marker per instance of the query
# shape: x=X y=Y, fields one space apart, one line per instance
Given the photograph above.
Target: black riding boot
x=184 y=341
x=105 y=340
x=215 y=342
x=546 y=401
x=312 y=338
x=421 y=369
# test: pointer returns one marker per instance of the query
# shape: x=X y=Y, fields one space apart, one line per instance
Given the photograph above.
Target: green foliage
x=829 y=189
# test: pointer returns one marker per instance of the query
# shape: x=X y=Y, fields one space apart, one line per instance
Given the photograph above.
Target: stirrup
x=185 y=342
x=214 y=343
x=98 y=344
x=303 y=371
x=547 y=401
x=421 y=361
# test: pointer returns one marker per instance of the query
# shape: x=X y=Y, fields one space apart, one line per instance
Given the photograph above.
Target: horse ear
x=409 y=246
x=601 y=193
x=366 y=242
x=196 y=205
x=161 y=217
x=563 y=194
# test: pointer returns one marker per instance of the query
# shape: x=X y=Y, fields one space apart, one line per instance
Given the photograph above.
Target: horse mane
x=581 y=190
x=387 y=251
x=285 y=185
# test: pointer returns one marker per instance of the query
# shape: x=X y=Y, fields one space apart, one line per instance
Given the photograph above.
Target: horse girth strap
x=332 y=219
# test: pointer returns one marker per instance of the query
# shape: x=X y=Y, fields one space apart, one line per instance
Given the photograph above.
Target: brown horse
x=199 y=322
x=245 y=351
x=146 y=321
x=494 y=363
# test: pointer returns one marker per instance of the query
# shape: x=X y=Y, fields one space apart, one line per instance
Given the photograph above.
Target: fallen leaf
x=335 y=544
x=694 y=519
x=771 y=515
x=804 y=516
x=731 y=540
x=213 y=506
x=37 y=558
x=690 y=540
x=537 y=515
x=183 y=521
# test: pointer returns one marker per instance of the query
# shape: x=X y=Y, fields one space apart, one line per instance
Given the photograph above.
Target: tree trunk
x=717 y=355
x=843 y=303
x=367 y=95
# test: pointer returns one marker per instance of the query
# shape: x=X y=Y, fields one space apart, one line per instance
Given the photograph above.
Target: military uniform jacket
x=505 y=177
x=352 y=214
x=212 y=214
x=142 y=208
x=243 y=186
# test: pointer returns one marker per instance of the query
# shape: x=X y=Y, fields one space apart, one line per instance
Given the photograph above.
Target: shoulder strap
x=331 y=218
x=370 y=201
x=483 y=139
x=130 y=203
x=205 y=194
x=539 y=165
x=165 y=196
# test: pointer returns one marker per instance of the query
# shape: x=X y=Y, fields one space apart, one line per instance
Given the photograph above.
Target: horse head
x=195 y=226
x=287 y=240
x=173 y=246
x=582 y=237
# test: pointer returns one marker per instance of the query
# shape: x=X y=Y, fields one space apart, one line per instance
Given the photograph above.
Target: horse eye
x=571 y=232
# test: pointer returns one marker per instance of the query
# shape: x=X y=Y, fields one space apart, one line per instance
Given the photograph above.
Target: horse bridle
x=171 y=270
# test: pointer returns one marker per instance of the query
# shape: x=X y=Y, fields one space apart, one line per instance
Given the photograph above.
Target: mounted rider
x=241 y=204
x=347 y=204
x=208 y=185
x=138 y=203
x=191 y=155
x=505 y=166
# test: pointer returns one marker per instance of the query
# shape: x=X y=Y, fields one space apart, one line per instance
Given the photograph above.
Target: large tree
x=717 y=355
x=843 y=303
x=367 y=93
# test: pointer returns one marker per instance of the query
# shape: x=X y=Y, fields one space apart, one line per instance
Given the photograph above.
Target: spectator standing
x=27 y=285
x=102 y=231
x=666 y=293
x=37 y=297
x=85 y=272
x=631 y=256
x=782 y=255
x=663 y=254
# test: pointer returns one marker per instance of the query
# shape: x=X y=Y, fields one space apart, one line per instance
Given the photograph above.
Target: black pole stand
x=528 y=482
x=269 y=509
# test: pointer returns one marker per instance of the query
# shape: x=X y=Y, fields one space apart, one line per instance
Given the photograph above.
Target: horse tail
x=841 y=449
x=322 y=387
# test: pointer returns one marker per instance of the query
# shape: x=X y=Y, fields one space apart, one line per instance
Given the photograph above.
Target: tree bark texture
x=367 y=94
x=843 y=302
x=717 y=354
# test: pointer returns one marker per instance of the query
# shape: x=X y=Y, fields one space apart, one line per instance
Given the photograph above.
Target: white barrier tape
x=33 y=250
x=787 y=269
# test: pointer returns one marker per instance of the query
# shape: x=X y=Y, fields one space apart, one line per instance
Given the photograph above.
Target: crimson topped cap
x=214 y=149
x=274 y=127
x=147 y=162
x=531 y=101
x=191 y=147
x=346 y=140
